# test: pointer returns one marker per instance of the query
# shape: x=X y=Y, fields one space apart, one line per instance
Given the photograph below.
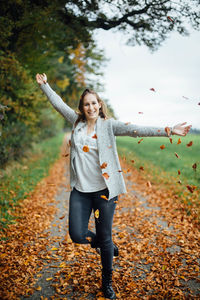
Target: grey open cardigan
x=106 y=130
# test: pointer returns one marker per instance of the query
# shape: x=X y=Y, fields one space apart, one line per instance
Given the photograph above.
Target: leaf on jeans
x=104 y=197
x=96 y=213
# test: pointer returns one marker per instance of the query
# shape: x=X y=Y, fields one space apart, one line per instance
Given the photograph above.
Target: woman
x=95 y=176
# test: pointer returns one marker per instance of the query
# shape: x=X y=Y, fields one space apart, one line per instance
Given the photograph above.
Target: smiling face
x=91 y=107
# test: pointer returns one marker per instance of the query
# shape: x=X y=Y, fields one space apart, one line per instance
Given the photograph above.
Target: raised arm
x=125 y=129
x=66 y=111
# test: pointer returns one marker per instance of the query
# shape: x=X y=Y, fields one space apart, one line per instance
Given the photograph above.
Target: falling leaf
x=179 y=141
x=140 y=141
x=140 y=112
x=141 y=168
x=194 y=166
x=168 y=130
x=185 y=97
x=170 y=139
x=127 y=123
x=104 y=197
x=158 y=130
x=170 y=19
x=86 y=149
x=179 y=172
x=105 y=175
x=96 y=213
x=176 y=155
x=39 y=288
x=149 y=184
x=120 y=171
x=62 y=217
x=94 y=136
x=162 y=147
x=104 y=165
x=132 y=161
x=191 y=188
x=152 y=89
x=190 y=144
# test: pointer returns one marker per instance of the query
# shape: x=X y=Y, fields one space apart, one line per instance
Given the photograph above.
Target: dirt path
x=159 y=254
x=158 y=244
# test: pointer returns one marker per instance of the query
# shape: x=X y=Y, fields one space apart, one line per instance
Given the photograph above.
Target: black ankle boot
x=107 y=285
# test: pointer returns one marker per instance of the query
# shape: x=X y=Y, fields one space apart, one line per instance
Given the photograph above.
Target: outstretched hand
x=41 y=78
x=180 y=129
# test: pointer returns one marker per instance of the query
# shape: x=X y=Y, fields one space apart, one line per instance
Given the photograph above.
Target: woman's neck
x=91 y=123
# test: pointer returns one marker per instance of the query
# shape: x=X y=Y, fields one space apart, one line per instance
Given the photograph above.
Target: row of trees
x=56 y=37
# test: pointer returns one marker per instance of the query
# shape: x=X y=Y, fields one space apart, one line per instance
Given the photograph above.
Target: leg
x=104 y=227
x=80 y=208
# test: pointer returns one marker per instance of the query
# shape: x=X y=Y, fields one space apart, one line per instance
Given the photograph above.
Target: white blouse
x=88 y=172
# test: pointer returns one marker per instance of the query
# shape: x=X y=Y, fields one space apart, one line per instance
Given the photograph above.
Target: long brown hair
x=102 y=109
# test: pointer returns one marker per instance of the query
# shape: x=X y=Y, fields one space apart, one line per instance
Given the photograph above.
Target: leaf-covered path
x=158 y=244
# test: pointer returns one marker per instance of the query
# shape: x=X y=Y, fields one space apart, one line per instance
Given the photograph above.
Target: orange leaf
x=132 y=161
x=169 y=18
x=149 y=184
x=141 y=168
x=62 y=217
x=120 y=171
x=167 y=130
x=86 y=149
x=190 y=144
x=127 y=123
x=104 y=197
x=158 y=130
x=170 y=140
x=140 y=112
x=96 y=213
x=104 y=165
x=179 y=141
x=94 y=136
x=176 y=155
x=65 y=155
x=194 y=166
x=191 y=188
x=140 y=141
x=105 y=175
x=152 y=89
x=162 y=147
x=179 y=172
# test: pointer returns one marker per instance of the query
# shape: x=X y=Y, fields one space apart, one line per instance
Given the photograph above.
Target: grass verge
x=163 y=167
x=20 y=178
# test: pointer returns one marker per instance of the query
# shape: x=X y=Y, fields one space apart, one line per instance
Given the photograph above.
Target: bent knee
x=77 y=238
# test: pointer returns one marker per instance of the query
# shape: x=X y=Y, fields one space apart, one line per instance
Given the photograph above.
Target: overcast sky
x=173 y=71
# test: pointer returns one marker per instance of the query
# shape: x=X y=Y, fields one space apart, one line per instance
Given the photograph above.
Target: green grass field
x=20 y=178
x=148 y=153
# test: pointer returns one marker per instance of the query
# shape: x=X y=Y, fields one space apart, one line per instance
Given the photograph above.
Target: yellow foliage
x=60 y=60
x=62 y=84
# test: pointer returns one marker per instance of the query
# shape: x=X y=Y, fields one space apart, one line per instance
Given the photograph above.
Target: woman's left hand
x=180 y=129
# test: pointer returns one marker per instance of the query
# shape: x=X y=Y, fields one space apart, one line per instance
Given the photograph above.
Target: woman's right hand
x=41 y=78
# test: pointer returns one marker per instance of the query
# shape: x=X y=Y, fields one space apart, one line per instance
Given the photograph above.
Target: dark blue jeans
x=80 y=208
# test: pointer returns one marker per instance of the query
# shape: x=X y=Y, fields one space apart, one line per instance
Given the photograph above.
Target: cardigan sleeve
x=66 y=111
x=125 y=129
